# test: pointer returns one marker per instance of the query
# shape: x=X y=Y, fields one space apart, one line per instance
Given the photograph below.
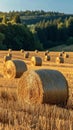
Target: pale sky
x=63 y=6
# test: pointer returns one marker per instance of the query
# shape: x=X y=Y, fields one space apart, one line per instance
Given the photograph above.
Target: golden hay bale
x=6 y=58
x=43 y=86
x=36 y=61
x=9 y=54
x=59 y=59
x=14 y=69
x=45 y=53
x=63 y=52
x=47 y=58
x=22 y=50
x=66 y=55
x=36 y=51
x=60 y=54
x=26 y=55
x=9 y=50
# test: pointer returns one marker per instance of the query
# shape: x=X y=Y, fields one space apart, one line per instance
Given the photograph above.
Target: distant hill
x=36 y=30
x=33 y=17
x=62 y=48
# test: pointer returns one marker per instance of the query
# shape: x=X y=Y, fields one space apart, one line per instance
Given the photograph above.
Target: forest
x=32 y=30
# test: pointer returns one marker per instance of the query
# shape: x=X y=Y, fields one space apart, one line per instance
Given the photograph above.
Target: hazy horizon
x=62 y=6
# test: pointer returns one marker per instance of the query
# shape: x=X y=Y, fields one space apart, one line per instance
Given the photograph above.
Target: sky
x=62 y=6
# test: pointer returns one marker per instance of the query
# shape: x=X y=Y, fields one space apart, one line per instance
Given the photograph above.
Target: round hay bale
x=66 y=55
x=21 y=50
x=9 y=49
x=59 y=59
x=43 y=86
x=47 y=58
x=60 y=54
x=26 y=55
x=14 y=69
x=6 y=58
x=45 y=53
x=63 y=52
x=36 y=51
x=9 y=54
x=36 y=61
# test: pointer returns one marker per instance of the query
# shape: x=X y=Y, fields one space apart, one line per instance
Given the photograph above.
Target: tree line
x=43 y=35
x=54 y=32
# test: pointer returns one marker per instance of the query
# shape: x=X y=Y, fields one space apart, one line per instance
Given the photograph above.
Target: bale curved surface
x=9 y=54
x=59 y=59
x=43 y=86
x=46 y=52
x=26 y=54
x=14 y=68
x=36 y=51
x=60 y=54
x=9 y=49
x=22 y=50
x=47 y=58
x=66 y=55
x=36 y=61
x=6 y=58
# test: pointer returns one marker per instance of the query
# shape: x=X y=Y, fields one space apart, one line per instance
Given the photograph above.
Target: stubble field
x=17 y=116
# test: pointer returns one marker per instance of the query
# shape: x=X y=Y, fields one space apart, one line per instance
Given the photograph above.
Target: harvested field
x=14 y=115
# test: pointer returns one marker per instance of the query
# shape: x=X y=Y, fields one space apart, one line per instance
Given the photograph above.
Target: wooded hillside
x=35 y=30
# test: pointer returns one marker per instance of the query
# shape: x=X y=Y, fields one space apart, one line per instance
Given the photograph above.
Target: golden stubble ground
x=44 y=117
x=66 y=69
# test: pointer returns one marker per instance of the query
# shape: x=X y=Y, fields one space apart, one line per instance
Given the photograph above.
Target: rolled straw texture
x=36 y=51
x=9 y=50
x=6 y=58
x=46 y=52
x=59 y=59
x=9 y=54
x=26 y=54
x=47 y=58
x=22 y=50
x=36 y=61
x=43 y=86
x=14 y=68
x=66 y=55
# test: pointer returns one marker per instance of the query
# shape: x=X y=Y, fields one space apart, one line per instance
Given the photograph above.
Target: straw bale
x=26 y=55
x=59 y=59
x=47 y=58
x=60 y=54
x=63 y=52
x=66 y=55
x=43 y=86
x=36 y=61
x=9 y=54
x=45 y=53
x=14 y=69
x=22 y=50
x=9 y=49
x=36 y=51
x=6 y=58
